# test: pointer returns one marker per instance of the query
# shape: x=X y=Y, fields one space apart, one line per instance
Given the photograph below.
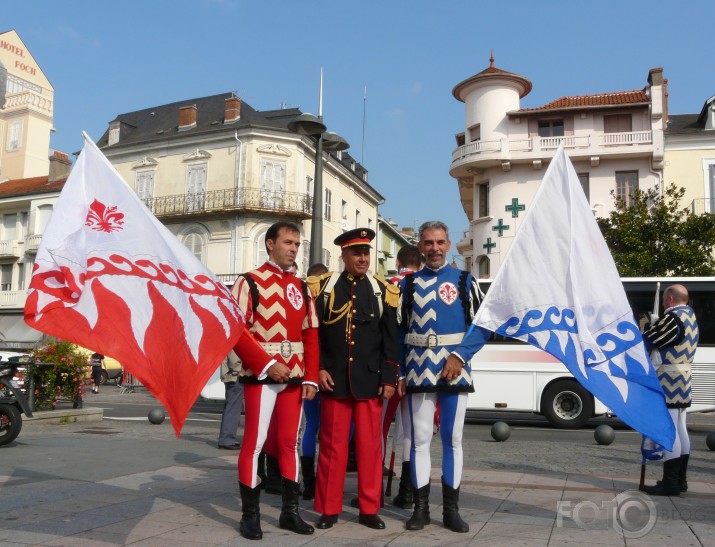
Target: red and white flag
x=110 y=277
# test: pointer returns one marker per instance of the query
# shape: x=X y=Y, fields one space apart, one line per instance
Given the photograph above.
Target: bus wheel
x=567 y=405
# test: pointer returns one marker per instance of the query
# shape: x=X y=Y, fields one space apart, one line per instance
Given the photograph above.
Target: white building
x=615 y=141
x=218 y=173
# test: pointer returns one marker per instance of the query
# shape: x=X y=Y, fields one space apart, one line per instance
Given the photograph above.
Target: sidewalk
x=121 y=483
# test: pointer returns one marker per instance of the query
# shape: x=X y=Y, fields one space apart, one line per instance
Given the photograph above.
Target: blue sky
x=108 y=58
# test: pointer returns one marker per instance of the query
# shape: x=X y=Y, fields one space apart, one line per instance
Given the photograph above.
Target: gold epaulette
x=316 y=282
x=392 y=292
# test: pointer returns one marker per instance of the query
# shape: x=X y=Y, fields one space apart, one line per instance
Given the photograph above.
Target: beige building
x=26 y=103
x=615 y=141
x=690 y=157
x=218 y=173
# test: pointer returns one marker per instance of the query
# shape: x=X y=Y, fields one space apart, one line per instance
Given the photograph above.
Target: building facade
x=615 y=141
x=388 y=241
x=218 y=173
x=690 y=157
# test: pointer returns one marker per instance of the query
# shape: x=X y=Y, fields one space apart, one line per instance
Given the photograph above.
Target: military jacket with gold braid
x=358 y=334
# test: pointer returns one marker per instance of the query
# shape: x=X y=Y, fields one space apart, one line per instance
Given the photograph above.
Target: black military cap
x=356 y=237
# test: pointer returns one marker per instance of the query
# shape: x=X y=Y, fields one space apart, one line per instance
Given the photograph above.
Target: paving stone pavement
x=134 y=483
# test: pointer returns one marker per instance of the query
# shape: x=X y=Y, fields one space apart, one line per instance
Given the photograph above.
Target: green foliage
x=654 y=236
x=59 y=373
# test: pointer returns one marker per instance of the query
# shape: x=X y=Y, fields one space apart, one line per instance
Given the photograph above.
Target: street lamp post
x=307 y=124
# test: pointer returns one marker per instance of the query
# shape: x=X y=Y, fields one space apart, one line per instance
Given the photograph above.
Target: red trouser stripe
x=335 y=416
x=263 y=401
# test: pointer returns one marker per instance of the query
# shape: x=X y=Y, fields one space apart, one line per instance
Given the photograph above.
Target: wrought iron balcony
x=703 y=205
x=232 y=199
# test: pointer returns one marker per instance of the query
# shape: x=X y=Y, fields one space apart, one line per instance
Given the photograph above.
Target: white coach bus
x=510 y=375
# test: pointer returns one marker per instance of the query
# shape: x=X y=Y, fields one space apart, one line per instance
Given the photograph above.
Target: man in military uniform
x=358 y=369
x=675 y=338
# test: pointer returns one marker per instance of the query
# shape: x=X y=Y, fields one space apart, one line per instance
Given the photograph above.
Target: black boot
x=273 y=475
x=684 y=472
x=290 y=519
x=403 y=499
x=307 y=466
x=250 y=526
x=420 y=517
x=670 y=485
x=261 y=471
x=450 y=509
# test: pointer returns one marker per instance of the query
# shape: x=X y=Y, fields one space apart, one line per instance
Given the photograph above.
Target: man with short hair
x=358 y=369
x=675 y=338
x=280 y=314
x=437 y=306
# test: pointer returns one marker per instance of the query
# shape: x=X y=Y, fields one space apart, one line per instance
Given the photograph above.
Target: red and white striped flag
x=110 y=277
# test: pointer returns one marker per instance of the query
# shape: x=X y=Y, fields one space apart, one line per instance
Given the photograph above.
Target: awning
x=16 y=334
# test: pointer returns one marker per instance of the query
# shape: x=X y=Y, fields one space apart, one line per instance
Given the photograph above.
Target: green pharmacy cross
x=500 y=227
x=515 y=207
x=489 y=245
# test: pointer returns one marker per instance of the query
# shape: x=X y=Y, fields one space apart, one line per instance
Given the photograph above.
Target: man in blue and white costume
x=436 y=310
x=675 y=337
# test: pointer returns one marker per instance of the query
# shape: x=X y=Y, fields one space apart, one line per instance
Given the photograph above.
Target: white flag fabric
x=110 y=277
x=559 y=290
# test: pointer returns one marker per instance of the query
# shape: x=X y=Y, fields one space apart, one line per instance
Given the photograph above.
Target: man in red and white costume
x=280 y=314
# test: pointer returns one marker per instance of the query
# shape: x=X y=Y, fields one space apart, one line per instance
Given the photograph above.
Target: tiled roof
x=34 y=185
x=634 y=97
x=487 y=75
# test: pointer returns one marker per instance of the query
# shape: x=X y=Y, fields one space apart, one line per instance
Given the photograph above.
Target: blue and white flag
x=558 y=289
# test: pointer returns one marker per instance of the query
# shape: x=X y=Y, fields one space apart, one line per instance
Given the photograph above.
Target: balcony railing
x=255 y=199
x=504 y=148
x=12 y=299
x=32 y=243
x=26 y=99
x=9 y=248
x=703 y=205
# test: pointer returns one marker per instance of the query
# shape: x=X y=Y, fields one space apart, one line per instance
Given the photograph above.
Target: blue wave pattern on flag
x=559 y=290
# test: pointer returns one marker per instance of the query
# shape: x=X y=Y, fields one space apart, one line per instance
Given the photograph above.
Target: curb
x=64 y=416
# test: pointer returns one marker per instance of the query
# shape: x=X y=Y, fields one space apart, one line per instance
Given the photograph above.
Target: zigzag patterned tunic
x=675 y=336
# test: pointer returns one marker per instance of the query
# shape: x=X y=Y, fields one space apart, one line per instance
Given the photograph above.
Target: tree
x=653 y=236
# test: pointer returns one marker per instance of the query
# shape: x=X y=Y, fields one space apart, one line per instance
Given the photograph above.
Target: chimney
x=233 y=110
x=187 y=117
x=59 y=166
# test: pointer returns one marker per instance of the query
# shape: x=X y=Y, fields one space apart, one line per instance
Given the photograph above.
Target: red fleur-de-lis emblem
x=104 y=219
x=294 y=297
x=447 y=292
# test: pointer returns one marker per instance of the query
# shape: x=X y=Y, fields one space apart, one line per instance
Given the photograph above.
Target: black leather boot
x=670 y=485
x=450 y=510
x=307 y=466
x=290 y=519
x=403 y=499
x=250 y=526
x=420 y=516
x=683 y=476
x=273 y=475
x=261 y=471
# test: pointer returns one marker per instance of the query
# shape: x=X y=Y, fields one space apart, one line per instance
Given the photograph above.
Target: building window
x=369 y=223
x=309 y=185
x=475 y=133
x=626 y=183
x=358 y=219
x=272 y=183
x=483 y=267
x=9 y=227
x=393 y=248
x=6 y=277
x=551 y=128
x=14 y=135
x=196 y=186
x=145 y=185
x=24 y=223
x=583 y=178
x=113 y=136
x=328 y=204
x=44 y=212
x=344 y=210
x=483 y=198
x=710 y=203
x=21 y=268
x=618 y=123
x=326 y=258
x=260 y=255
x=195 y=241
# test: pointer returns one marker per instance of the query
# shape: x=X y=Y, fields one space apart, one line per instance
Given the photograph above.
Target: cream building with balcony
x=218 y=173
x=615 y=141
x=690 y=157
